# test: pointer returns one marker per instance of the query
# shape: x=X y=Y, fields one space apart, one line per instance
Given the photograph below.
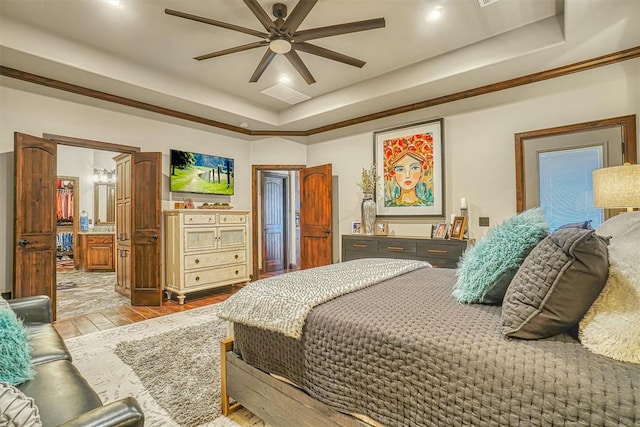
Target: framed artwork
x=409 y=161
x=380 y=228
x=457 y=227
x=441 y=231
x=356 y=227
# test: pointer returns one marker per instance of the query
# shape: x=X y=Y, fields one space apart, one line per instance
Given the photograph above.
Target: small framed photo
x=188 y=203
x=441 y=231
x=457 y=228
x=380 y=228
x=356 y=227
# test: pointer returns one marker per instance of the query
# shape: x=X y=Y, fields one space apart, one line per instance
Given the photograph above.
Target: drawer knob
x=237 y=272
x=190 y=219
x=197 y=261
x=197 y=278
x=236 y=257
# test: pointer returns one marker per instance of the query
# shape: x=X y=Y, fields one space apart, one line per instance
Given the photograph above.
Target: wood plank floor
x=121 y=316
x=114 y=317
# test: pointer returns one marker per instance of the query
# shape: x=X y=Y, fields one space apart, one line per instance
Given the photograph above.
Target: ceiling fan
x=283 y=37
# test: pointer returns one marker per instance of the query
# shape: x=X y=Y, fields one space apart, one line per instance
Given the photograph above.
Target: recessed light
x=435 y=13
x=284 y=79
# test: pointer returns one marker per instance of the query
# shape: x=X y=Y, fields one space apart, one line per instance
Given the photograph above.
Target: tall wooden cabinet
x=123 y=224
x=205 y=249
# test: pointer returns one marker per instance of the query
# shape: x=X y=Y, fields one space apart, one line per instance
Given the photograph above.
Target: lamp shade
x=617 y=187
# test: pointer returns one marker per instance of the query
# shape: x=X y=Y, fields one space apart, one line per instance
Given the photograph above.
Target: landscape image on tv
x=201 y=173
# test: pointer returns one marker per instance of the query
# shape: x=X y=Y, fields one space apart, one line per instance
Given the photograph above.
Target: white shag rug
x=112 y=379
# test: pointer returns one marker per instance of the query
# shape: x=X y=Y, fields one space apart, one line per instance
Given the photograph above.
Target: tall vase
x=368 y=210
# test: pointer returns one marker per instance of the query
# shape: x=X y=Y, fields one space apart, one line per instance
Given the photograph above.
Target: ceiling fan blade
x=262 y=66
x=231 y=50
x=329 y=54
x=296 y=17
x=216 y=23
x=302 y=69
x=334 y=30
x=259 y=12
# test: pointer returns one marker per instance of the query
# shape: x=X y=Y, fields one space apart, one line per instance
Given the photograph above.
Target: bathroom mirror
x=104 y=205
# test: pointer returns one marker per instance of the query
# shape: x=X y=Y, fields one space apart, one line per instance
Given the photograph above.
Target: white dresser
x=204 y=249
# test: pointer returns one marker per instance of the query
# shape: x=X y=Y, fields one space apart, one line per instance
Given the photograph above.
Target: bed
x=403 y=352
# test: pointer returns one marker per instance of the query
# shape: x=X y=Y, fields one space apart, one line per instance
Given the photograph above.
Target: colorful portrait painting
x=409 y=162
x=408 y=170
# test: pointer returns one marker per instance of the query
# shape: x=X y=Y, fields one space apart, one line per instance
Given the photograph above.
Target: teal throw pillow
x=486 y=269
x=15 y=362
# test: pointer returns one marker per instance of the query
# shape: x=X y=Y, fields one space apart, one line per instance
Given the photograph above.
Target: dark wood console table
x=439 y=252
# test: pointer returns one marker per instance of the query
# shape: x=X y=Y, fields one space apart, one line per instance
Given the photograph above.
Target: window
x=566 y=185
x=553 y=167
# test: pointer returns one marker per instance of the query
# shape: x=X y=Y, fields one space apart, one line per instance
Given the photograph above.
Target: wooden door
x=274 y=238
x=35 y=218
x=316 y=236
x=123 y=224
x=146 y=262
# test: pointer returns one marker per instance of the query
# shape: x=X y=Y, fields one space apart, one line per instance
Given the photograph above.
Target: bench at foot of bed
x=275 y=402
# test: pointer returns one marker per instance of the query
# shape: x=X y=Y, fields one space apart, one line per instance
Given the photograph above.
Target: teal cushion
x=15 y=362
x=486 y=269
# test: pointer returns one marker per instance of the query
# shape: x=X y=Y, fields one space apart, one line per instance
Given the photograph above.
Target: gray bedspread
x=405 y=353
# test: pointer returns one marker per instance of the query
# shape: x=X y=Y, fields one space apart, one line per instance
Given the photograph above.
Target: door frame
x=286 y=205
x=91 y=145
x=255 y=208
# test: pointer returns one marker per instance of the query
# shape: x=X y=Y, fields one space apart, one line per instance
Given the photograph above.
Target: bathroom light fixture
x=104 y=175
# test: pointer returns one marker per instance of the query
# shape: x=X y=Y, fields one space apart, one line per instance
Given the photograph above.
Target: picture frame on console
x=441 y=231
x=356 y=227
x=380 y=228
x=457 y=227
x=409 y=161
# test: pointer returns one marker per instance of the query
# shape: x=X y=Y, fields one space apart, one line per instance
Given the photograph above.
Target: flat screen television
x=201 y=173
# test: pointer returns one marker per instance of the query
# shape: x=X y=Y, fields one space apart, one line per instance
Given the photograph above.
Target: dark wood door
x=123 y=224
x=316 y=235
x=146 y=261
x=35 y=218
x=274 y=238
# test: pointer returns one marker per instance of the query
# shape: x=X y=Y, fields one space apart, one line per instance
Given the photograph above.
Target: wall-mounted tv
x=201 y=173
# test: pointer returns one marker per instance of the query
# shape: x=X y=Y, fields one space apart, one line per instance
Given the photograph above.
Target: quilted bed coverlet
x=282 y=303
x=405 y=353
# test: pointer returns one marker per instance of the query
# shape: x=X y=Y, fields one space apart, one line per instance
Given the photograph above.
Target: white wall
x=35 y=114
x=479 y=144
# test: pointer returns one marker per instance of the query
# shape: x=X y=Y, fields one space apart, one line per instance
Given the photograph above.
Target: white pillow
x=611 y=327
x=16 y=409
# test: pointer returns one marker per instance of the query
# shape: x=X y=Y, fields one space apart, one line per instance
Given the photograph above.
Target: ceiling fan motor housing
x=279 y=10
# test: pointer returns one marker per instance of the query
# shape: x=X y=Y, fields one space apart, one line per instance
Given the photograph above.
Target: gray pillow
x=556 y=284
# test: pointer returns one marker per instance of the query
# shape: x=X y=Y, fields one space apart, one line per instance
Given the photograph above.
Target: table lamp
x=617 y=187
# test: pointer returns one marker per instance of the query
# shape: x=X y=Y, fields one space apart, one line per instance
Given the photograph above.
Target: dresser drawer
x=215 y=258
x=361 y=245
x=199 y=219
x=436 y=250
x=200 y=278
x=232 y=219
x=397 y=247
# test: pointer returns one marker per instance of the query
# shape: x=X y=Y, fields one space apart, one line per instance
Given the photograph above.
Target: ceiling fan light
x=280 y=46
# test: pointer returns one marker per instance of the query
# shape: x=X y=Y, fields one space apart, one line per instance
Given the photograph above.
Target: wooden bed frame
x=276 y=402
